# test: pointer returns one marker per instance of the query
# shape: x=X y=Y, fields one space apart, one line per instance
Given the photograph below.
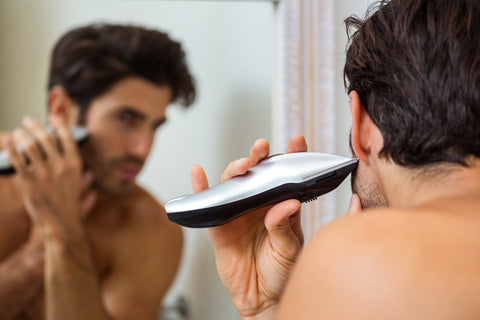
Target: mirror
x=229 y=47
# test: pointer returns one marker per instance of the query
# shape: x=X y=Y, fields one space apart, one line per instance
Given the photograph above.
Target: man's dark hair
x=89 y=60
x=416 y=67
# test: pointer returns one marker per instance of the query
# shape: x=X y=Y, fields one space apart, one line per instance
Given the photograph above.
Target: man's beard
x=104 y=172
x=109 y=183
x=368 y=191
x=114 y=189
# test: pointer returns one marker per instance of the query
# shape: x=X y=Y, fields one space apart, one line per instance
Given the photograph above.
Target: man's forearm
x=71 y=282
x=21 y=279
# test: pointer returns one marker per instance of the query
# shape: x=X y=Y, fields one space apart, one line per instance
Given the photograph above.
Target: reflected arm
x=71 y=284
x=21 y=279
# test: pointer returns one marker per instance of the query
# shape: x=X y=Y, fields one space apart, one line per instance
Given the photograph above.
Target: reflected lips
x=130 y=171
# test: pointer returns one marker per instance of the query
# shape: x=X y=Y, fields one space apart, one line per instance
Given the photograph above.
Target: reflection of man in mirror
x=79 y=239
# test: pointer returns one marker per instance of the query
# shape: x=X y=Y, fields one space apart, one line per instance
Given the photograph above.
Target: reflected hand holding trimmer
x=80 y=134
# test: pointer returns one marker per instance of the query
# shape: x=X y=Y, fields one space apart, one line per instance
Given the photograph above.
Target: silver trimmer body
x=303 y=176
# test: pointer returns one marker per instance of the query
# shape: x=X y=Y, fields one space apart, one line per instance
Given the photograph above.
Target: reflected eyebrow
x=141 y=116
x=133 y=112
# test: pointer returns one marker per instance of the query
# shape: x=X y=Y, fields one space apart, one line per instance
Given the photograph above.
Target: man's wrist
x=70 y=247
x=61 y=234
x=34 y=260
x=266 y=314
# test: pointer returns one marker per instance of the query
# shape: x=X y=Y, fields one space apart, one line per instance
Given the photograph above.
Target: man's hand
x=50 y=181
x=255 y=253
x=355 y=206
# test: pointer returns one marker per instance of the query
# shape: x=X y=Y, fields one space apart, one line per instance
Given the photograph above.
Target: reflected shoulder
x=144 y=204
x=147 y=209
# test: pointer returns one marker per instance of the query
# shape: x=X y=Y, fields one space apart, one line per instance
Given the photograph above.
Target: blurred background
x=231 y=48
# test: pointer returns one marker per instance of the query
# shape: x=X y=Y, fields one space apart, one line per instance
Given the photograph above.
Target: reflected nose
x=140 y=146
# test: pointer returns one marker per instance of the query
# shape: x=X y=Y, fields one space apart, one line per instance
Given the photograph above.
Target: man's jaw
x=369 y=193
x=118 y=180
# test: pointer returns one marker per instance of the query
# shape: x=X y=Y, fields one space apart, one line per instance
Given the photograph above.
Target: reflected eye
x=128 y=118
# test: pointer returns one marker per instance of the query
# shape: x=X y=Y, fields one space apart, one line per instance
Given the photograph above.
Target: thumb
x=279 y=228
x=355 y=205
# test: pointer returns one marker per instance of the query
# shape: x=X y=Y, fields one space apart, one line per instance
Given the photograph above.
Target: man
x=79 y=239
x=413 y=74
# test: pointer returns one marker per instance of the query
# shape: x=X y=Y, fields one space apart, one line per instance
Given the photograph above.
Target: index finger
x=42 y=137
x=64 y=136
x=236 y=168
x=297 y=143
x=259 y=151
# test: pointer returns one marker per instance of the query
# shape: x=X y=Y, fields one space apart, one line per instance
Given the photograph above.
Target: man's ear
x=362 y=128
x=61 y=105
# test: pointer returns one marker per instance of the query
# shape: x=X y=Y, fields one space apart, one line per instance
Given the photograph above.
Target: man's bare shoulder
x=147 y=213
x=386 y=264
x=140 y=207
x=145 y=204
x=143 y=234
x=137 y=213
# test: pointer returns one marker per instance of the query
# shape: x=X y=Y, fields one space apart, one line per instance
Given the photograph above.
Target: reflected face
x=122 y=124
x=366 y=187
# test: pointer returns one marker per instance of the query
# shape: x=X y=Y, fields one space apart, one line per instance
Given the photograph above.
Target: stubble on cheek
x=369 y=192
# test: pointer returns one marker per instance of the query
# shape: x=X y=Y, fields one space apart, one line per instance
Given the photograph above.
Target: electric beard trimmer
x=303 y=176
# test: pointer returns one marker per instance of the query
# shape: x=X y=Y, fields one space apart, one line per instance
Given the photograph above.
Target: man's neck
x=408 y=188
